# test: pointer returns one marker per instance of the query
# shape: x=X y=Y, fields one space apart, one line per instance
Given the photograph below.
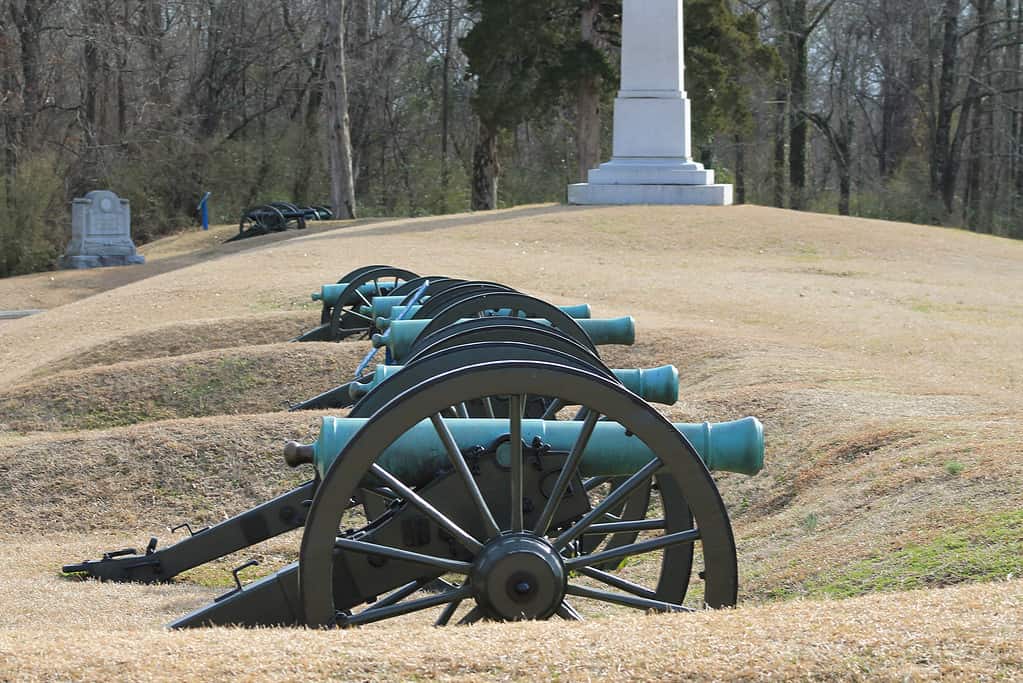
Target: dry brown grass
x=92 y=631
x=177 y=339
x=148 y=476
x=882 y=358
x=253 y=379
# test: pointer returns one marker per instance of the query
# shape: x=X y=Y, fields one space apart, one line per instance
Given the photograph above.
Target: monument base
x=81 y=262
x=701 y=195
x=647 y=171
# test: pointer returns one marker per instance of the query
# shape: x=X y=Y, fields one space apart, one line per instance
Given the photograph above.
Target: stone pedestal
x=100 y=233
x=652 y=158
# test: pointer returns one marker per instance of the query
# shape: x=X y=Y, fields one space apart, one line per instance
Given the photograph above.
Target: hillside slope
x=883 y=359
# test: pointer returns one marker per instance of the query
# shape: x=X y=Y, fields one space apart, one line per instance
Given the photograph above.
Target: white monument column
x=652 y=162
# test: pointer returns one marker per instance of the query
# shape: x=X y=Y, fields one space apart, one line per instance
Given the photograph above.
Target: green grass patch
x=217 y=574
x=954 y=467
x=990 y=550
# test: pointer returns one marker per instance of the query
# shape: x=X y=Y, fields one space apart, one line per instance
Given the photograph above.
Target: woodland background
x=879 y=108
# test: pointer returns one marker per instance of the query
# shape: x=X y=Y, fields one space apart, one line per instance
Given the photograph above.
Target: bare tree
x=339 y=141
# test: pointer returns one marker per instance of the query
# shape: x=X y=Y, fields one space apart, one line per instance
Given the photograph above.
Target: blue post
x=204 y=208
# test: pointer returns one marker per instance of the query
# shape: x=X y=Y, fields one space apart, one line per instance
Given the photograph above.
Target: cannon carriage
x=278 y=217
x=503 y=473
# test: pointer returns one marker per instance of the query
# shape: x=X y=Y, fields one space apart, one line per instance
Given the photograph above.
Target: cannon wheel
x=635 y=506
x=470 y=332
x=440 y=299
x=251 y=224
x=345 y=318
x=351 y=275
x=519 y=305
x=499 y=330
x=685 y=483
x=443 y=360
x=496 y=329
x=407 y=289
x=347 y=277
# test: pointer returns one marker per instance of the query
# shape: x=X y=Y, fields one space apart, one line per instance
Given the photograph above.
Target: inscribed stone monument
x=652 y=161
x=100 y=232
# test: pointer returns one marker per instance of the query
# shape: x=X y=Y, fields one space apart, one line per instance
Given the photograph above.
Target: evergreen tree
x=529 y=56
x=722 y=49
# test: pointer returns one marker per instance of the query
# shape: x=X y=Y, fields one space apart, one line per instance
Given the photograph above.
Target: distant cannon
x=278 y=217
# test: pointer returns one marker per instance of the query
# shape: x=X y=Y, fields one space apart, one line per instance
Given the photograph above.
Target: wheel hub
x=518 y=576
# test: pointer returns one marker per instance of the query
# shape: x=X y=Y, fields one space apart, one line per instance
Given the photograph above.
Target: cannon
x=503 y=473
x=394 y=311
x=475 y=340
x=656 y=385
x=485 y=518
x=340 y=317
x=278 y=217
x=402 y=334
x=508 y=512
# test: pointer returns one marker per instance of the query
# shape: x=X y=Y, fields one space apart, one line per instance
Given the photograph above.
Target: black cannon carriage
x=278 y=217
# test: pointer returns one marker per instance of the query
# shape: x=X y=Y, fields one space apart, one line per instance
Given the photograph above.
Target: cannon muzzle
x=380 y=306
x=657 y=385
x=401 y=334
x=417 y=455
x=329 y=294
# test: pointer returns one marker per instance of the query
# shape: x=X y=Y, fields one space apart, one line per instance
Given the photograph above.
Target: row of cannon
x=489 y=467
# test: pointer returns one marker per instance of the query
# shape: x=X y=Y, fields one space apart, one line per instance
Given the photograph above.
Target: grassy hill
x=883 y=359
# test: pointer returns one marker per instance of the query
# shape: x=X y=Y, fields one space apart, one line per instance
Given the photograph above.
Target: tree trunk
x=740 y=170
x=485 y=169
x=942 y=165
x=339 y=141
x=445 y=107
x=981 y=121
x=778 y=168
x=1016 y=112
x=122 y=69
x=311 y=125
x=901 y=30
x=588 y=102
x=844 y=174
x=953 y=155
x=798 y=38
x=28 y=19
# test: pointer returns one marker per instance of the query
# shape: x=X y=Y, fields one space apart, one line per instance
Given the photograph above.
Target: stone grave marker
x=100 y=232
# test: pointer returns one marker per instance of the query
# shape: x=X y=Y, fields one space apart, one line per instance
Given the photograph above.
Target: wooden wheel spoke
x=453 y=566
x=619 y=494
x=567 y=612
x=515 y=405
x=449 y=611
x=565 y=476
x=625 y=600
x=426 y=508
x=458 y=462
x=371 y=615
x=618 y=582
x=638 y=548
x=398 y=595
